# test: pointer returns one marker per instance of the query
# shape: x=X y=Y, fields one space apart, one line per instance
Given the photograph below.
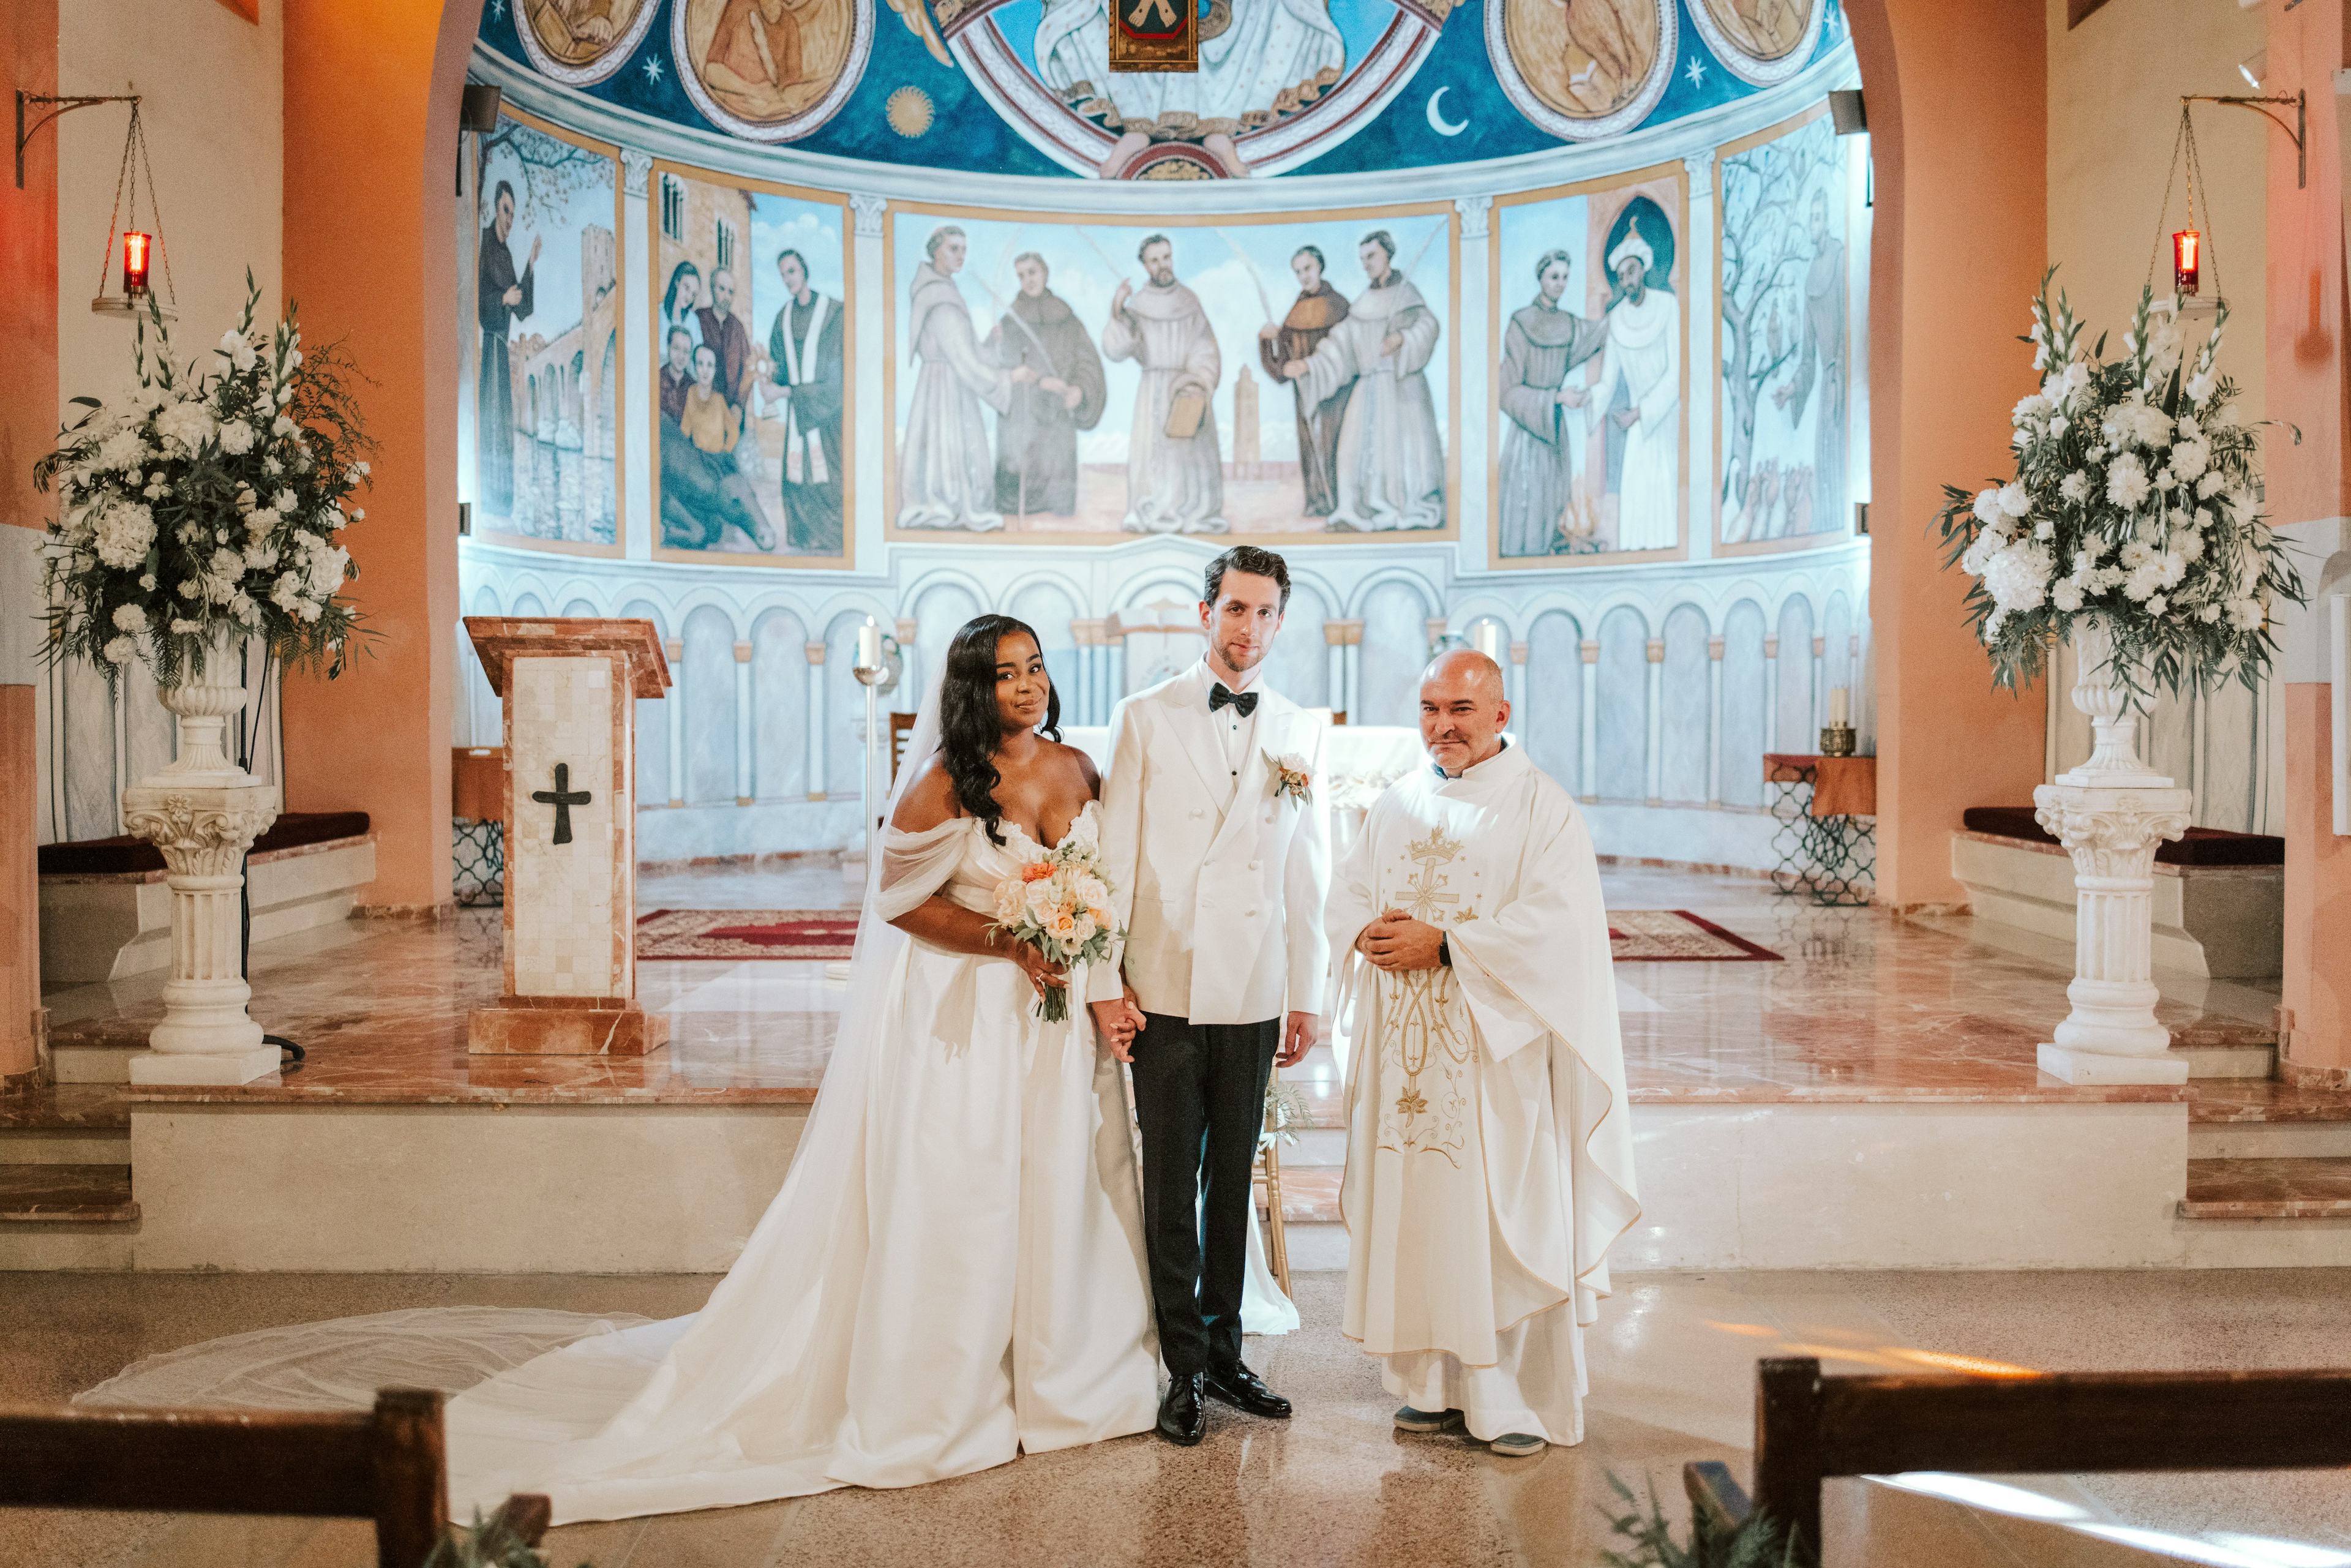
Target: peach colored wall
x=2310 y=386
x=28 y=268
x=370 y=147
x=1957 y=129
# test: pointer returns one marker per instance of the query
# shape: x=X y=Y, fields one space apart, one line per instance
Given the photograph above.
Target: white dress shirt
x=1236 y=734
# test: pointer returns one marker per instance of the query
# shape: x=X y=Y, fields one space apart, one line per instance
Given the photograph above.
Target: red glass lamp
x=2187 y=262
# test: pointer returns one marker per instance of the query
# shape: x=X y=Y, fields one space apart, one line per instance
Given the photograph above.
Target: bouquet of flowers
x=2136 y=505
x=1059 y=903
x=204 y=504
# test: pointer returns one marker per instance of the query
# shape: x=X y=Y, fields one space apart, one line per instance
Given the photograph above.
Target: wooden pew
x=1809 y=1427
x=388 y=1464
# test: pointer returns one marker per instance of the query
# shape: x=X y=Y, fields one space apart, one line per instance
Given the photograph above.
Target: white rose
x=2157 y=604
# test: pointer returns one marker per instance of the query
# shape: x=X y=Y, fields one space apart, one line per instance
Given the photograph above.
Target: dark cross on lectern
x=562 y=797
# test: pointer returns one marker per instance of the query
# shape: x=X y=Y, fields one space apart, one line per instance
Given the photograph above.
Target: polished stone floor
x=1671 y=1369
x=1863 y=1008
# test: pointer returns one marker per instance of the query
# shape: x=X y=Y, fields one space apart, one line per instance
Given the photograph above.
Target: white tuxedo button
x=1253 y=865
x=1199 y=812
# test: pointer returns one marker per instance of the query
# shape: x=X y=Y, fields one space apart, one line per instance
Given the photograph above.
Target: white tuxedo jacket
x=1223 y=907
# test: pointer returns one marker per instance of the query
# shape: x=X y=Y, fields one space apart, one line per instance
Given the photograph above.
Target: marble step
x=2273 y=1188
x=2228 y=1058
x=70 y=1123
x=1314 y=1147
x=66 y=1194
x=2238 y=1101
x=2268 y=1140
x=1309 y=1196
x=97 y=1058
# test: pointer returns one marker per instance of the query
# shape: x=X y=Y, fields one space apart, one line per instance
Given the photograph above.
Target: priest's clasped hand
x=1397 y=941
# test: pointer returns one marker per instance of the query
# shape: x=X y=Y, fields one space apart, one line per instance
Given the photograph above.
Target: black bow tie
x=1245 y=702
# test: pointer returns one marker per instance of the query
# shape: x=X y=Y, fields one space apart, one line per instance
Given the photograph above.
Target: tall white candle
x=1838 y=714
x=869 y=646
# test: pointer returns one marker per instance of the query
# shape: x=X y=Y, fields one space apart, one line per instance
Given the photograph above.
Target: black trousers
x=1199 y=1095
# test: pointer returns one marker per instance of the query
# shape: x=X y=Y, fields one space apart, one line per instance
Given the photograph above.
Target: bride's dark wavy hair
x=970 y=729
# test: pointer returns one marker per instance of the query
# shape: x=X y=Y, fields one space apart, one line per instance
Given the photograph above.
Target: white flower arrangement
x=2136 y=504
x=163 y=542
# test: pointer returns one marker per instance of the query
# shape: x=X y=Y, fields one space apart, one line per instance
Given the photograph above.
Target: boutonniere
x=1292 y=780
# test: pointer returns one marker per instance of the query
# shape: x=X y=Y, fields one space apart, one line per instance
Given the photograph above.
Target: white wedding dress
x=951 y=1274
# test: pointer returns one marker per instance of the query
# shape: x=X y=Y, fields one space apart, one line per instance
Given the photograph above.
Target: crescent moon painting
x=1436 y=120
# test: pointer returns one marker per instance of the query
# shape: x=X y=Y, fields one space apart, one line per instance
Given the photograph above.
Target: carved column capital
x=1343 y=634
x=866 y=209
x=1700 y=167
x=2112 y=832
x=200 y=832
x=1475 y=212
x=636 y=167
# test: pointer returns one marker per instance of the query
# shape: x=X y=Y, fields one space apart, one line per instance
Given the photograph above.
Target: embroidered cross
x=562 y=797
x=1432 y=852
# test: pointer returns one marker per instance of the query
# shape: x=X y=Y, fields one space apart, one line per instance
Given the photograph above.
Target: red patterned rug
x=740 y=933
x=1648 y=936
x=1678 y=936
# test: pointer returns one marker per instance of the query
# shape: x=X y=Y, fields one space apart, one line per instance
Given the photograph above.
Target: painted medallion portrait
x=770 y=70
x=1589 y=425
x=1582 y=69
x=581 y=41
x=1759 y=41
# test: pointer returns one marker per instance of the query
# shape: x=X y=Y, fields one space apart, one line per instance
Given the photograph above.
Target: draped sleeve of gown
x=951 y=1274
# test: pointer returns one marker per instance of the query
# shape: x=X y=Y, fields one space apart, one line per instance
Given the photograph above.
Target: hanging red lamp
x=2187 y=262
x=136 y=247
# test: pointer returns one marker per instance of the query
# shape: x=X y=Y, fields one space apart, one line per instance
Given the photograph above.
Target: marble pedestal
x=203 y=811
x=569 y=689
x=2111 y=1035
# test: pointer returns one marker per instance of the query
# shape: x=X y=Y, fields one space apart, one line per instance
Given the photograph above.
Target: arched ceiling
x=1017 y=87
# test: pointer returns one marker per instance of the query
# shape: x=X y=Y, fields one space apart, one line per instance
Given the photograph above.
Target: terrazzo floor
x=1672 y=1363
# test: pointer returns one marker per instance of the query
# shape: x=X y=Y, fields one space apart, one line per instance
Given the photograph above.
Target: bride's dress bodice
x=983 y=866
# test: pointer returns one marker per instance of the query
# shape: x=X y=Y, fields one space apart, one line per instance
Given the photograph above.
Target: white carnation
x=1987 y=507
x=282 y=425
x=120 y=650
x=146 y=583
x=2028 y=408
x=286 y=592
x=123 y=536
x=2208 y=614
x=182 y=627
x=2066 y=596
x=2191 y=458
x=128 y=618
x=2014 y=501
x=2126 y=484
x=122 y=450
x=2074 y=487
x=2018 y=577
x=236 y=438
x=186 y=425
x=2152 y=426
x=285 y=501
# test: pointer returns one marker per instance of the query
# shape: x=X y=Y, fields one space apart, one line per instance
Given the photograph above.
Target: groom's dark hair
x=1249 y=559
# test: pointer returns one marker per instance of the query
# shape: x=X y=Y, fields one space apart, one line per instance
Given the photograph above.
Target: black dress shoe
x=1242 y=1389
x=1183 y=1420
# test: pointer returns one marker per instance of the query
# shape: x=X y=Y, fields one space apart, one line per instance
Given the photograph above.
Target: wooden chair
x=902 y=730
x=388 y=1464
x=1809 y=1427
x=1267 y=1176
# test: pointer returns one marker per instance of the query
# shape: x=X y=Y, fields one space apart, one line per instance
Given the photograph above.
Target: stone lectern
x=569 y=688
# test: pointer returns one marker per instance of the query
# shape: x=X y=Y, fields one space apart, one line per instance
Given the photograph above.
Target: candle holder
x=1836 y=740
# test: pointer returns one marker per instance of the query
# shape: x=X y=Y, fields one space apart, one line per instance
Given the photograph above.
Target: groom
x=1219 y=860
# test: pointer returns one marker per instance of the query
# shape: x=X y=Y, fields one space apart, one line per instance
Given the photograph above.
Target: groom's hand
x=1298 y=1036
x=1118 y=1023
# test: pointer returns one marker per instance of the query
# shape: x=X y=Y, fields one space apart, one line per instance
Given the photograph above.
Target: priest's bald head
x=1462 y=709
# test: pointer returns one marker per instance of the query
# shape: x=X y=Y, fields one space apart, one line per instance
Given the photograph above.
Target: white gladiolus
x=182 y=627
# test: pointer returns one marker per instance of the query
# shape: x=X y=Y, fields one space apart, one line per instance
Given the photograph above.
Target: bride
x=953 y=1272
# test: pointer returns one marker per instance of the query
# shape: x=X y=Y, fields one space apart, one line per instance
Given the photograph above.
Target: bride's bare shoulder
x=928 y=802
x=1070 y=758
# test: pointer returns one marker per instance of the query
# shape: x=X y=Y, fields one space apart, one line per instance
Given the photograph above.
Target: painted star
x=653 y=69
x=498 y=10
x=1697 y=73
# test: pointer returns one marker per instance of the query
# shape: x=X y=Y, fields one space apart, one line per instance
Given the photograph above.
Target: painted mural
x=1589 y=422
x=542 y=368
x=753 y=327
x=1784 y=293
x=1022 y=88
x=1084 y=382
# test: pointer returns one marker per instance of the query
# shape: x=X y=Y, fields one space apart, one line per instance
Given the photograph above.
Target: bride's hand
x=1043 y=972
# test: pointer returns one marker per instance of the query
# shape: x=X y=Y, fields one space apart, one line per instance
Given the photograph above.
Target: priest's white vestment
x=1490 y=1157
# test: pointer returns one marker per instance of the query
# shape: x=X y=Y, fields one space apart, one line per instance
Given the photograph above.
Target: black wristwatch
x=1443 y=951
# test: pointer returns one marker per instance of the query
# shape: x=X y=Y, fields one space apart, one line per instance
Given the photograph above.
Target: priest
x=1489 y=1162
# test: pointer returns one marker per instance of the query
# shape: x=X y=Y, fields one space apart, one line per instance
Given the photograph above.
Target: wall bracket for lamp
x=2299 y=129
x=56 y=106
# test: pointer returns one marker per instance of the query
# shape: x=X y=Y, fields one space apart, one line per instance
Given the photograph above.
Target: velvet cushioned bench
x=106 y=911
x=2218 y=900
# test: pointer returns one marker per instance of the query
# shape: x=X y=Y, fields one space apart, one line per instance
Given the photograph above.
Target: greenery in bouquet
x=201 y=507
x=2136 y=505
x=1059 y=903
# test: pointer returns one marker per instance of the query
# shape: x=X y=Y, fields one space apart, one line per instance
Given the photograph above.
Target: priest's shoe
x=1243 y=1390
x=1518 y=1445
x=1183 y=1420
x=1408 y=1419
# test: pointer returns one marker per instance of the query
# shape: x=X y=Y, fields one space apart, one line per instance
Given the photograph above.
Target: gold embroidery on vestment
x=1418 y=1035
